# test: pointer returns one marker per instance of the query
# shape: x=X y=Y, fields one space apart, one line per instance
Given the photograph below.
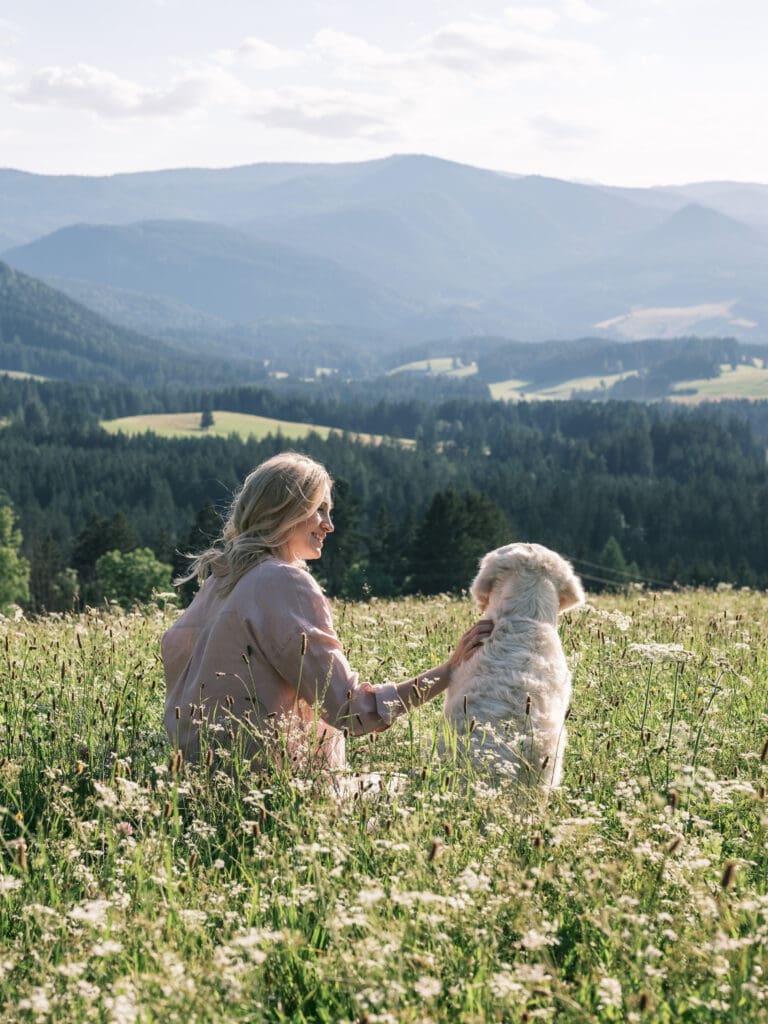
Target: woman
x=256 y=655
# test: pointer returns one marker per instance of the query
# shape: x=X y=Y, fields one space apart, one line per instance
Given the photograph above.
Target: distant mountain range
x=354 y=261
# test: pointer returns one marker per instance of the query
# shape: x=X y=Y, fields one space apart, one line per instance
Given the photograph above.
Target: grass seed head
x=729 y=875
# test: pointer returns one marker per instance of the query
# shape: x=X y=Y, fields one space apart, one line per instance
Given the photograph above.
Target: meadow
x=244 y=425
x=137 y=888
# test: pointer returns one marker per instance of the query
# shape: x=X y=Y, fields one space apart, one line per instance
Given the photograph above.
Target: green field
x=187 y=424
x=517 y=390
x=134 y=887
x=741 y=381
x=440 y=364
x=21 y=375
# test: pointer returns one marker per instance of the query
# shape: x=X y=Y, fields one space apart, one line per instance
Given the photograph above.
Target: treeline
x=656 y=493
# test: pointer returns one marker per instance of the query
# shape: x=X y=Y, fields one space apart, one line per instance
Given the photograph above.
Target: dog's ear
x=493 y=566
x=482 y=585
x=569 y=590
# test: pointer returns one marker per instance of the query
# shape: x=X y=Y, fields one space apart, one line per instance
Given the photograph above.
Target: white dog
x=513 y=695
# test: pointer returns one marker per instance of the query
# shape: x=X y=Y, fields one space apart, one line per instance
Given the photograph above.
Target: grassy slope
x=132 y=890
x=187 y=424
x=740 y=382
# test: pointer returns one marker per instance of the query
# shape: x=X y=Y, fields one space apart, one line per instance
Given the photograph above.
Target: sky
x=624 y=92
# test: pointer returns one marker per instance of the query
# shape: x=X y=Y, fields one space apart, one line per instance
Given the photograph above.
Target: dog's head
x=542 y=582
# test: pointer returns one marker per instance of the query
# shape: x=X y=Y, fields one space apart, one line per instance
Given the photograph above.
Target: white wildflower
x=107 y=948
x=92 y=912
x=428 y=987
x=503 y=985
x=609 y=993
x=657 y=652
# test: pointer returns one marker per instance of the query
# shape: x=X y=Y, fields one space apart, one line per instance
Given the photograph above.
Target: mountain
x=741 y=200
x=213 y=268
x=44 y=332
x=695 y=268
x=392 y=252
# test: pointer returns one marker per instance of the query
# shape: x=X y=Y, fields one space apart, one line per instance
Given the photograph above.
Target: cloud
x=535 y=19
x=258 y=53
x=582 y=10
x=7 y=68
x=352 y=52
x=556 y=133
x=100 y=92
x=477 y=47
x=10 y=32
x=324 y=113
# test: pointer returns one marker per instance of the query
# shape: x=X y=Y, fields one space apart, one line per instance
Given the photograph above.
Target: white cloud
x=325 y=113
x=535 y=19
x=258 y=53
x=475 y=47
x=7 y=68
x=582 y=10
x=351 y=51
x=558 y=133
x=84 y=87
x=10 y=32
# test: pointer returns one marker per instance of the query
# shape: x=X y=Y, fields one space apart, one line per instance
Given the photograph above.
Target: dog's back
x=512 y=697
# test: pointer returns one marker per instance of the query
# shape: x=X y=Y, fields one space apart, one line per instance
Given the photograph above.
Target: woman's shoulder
x=275 y=573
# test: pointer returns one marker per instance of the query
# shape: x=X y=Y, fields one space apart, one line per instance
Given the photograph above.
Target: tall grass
x=134 y=887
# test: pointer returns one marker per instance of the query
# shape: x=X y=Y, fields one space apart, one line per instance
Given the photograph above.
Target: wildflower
x=503 y=985
x=91 y=912
x=535 y=939
x=107 y=948
x=657 y=653
x=428 y=987
x=609 y=993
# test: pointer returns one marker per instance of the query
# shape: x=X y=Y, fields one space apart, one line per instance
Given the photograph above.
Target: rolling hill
x=44 y=332
x=390 y=252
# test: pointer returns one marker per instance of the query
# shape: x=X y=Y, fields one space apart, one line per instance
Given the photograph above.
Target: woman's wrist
x=430 y=683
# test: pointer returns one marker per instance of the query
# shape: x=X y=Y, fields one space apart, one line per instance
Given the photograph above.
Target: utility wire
x=631 y=577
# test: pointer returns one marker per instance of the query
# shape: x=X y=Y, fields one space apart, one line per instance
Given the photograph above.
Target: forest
x=654 y=494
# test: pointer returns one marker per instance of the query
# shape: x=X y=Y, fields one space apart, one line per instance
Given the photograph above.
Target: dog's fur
x=512 y=696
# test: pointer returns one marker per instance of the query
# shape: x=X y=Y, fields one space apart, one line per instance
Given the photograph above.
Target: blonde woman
x=256 y=656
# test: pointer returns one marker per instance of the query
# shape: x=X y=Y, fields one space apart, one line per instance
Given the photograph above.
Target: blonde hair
x=278 y=495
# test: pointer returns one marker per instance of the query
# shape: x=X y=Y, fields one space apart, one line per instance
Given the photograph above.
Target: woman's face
x=305 y=541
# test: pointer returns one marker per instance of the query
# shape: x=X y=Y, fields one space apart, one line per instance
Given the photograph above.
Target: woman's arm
x=415 y=692
x=295 y=631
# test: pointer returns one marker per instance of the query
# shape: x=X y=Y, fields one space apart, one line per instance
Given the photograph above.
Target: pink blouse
x=263 y=662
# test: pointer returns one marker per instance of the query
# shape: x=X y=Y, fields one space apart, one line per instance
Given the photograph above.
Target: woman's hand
x=470 y=643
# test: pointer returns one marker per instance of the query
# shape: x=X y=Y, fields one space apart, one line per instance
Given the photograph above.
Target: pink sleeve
x=298 y=638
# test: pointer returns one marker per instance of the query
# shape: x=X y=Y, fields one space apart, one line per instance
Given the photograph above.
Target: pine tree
x=457 y=530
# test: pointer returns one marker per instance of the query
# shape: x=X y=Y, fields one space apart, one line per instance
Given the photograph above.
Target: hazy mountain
x=388 y=252
x=212 y=268
x=46 y=333
x=701 y=268
x=745 y=202
x=439 y=231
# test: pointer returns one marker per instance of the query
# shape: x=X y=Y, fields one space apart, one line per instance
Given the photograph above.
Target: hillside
x=395 y=251
x=600 y=368
x=44 y=332
x=215 y=269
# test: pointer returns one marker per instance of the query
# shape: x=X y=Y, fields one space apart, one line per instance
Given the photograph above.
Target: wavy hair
x=278 y=495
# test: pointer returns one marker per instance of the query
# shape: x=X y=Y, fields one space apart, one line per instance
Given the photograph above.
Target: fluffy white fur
x=517 y=687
